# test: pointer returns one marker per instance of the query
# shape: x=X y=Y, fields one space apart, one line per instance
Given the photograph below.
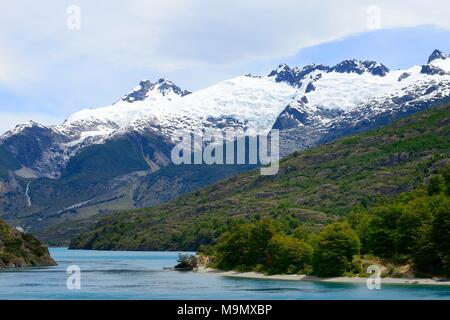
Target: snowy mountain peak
x=438 y=64
x=284 y=74
x=166 y=87
x=148 y=89
x=296 y=76
x=19 y=128
x=312 y=95
x=360 y=67
x=283 y=68
x=437 y=54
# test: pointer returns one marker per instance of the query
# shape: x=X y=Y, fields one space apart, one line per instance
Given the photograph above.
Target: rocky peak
x=283 y=74
x=437 y=54
x=295 y=75
x=361 y=67
x=162 y=86
x=432 y=70
x=166 y=86
x=302 y=73
x=21 y=128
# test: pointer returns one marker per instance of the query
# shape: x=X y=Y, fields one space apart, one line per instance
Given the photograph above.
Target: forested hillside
x=313 y=188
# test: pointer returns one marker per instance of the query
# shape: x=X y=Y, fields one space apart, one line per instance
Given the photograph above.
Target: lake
x=140 y=275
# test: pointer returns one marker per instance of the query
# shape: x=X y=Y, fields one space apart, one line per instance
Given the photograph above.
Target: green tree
x=303 y=232
x=415 y=217
x=245 y=246
x=287 y=254
x=233 y=247
x=440 y=233
x=381 y=233
x=436 y=185
x=446 y=175
x=424 y=256
x=334 y=250
x=260 y=235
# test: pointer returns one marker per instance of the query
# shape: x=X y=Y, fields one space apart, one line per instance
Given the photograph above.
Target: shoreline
x=297 y=277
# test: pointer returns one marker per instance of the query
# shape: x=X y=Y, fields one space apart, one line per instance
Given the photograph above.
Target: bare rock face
x=19 y=249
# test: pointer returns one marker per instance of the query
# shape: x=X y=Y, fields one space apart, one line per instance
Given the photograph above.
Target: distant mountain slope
x=105 y=159
x=314 y=186
x=7 y=162
x=18 y=249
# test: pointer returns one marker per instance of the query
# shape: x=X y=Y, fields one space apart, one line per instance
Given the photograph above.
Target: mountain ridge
x=313 y=187
x=53 y=173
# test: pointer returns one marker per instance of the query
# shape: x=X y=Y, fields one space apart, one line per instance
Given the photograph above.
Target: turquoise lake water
x=140 y=275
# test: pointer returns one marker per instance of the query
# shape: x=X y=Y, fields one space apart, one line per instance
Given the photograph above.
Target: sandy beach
x=295 y=277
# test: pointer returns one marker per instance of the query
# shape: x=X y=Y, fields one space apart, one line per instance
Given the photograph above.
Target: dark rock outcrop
x=437 y=54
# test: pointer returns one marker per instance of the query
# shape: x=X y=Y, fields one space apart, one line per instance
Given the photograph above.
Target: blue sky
x=49 y=70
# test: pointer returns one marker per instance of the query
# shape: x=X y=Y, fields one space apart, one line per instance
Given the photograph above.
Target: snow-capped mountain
x=252 y=102
x=355 y=96
x=246 y=102
x=314 y=95
x=259 y=103
x=111 y=151
x=327 y=93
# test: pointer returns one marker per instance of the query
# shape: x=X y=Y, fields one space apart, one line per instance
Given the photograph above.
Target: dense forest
x=413 y=229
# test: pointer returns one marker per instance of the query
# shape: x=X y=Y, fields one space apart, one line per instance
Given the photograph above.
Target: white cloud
x=176 y=34
x=13 y=67
x=40 y=56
